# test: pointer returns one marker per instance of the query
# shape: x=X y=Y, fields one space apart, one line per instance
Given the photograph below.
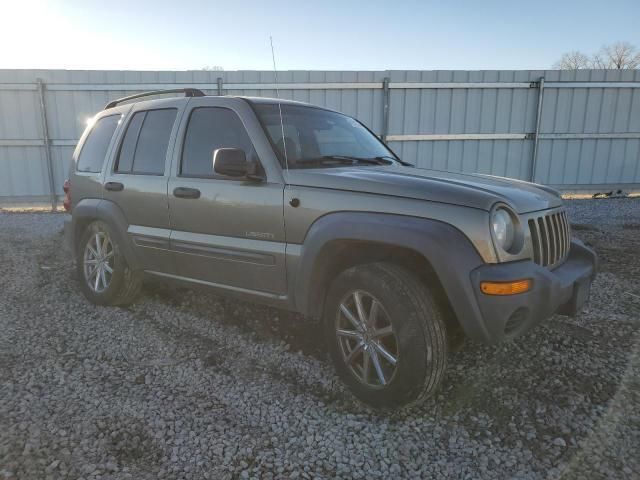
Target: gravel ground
x=184 y=384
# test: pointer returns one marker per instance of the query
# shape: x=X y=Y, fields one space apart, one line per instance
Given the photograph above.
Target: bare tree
x=572 y=61
x=619 y=56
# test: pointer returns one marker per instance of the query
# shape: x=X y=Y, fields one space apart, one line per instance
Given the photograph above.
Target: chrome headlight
x=506 y=229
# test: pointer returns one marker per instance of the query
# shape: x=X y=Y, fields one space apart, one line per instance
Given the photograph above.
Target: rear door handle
x=114 y=186
x=184 y=192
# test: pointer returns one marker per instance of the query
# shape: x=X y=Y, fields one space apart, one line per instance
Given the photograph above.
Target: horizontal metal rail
x=29 y=142
x=124 y=87
x=458 y=136
x=310 y=86
x=428 y=85
x=400 y=138
x=510 y=136
x=21 y=143
x=214 y=86
x=303 y=86
x=587 y=136
x=19 y=86
x=592 y=84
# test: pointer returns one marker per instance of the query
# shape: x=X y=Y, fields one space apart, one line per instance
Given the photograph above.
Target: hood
x=470 y=190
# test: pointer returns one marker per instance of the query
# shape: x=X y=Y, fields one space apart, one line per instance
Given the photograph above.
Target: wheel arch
x=438 y=253
x=91 y=209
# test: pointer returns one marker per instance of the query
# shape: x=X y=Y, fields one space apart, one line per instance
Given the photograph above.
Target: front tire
x=386 y=335
x=104 y=274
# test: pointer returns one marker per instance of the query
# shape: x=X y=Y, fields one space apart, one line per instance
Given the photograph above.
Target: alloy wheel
x=366 y=338
x=98 y=262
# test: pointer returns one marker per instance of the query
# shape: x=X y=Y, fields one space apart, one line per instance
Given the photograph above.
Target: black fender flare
x=446 y=249
x=90 y=209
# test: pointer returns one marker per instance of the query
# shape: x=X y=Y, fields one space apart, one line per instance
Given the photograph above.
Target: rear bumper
x=563 y=290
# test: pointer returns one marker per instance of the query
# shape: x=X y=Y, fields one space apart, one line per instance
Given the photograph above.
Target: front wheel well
x=340 y=255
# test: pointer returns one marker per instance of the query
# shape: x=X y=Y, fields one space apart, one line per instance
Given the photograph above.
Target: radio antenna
x=284 y=142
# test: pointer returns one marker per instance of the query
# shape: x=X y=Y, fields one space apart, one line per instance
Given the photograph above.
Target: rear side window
x=95 y=146
x=211 y=128
x=128 y=147
x=144 y=147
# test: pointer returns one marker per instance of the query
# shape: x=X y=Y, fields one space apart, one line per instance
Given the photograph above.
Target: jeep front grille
x=550 y=238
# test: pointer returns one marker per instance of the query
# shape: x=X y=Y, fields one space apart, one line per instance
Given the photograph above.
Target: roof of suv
x=193 y=92
x=270 y=101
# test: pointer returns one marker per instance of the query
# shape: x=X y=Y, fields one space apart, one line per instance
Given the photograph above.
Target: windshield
x=313 y=135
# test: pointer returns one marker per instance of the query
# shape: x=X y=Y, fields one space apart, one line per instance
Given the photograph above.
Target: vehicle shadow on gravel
x=263 y=323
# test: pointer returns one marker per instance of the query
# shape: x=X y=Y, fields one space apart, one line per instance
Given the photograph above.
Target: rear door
x=91 y=156
x=137 y=178
x=230 y=232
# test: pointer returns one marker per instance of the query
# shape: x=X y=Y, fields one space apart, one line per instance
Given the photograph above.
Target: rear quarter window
x=95 y=147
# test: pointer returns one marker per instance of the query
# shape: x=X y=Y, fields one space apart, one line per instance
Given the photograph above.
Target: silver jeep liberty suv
x=305 y=209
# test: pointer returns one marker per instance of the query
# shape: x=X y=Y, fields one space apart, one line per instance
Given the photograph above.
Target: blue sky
x=317 y=35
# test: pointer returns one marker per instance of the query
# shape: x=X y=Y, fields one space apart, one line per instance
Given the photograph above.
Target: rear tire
x=104 y=274
x=407 y=326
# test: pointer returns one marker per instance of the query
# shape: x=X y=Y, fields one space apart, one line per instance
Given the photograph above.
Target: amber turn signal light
x=505 y=288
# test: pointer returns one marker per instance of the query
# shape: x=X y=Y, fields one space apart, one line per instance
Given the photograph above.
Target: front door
x=225 y=231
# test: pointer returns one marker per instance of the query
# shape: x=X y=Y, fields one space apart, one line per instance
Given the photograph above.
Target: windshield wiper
x=395 y=160
x=346 y=160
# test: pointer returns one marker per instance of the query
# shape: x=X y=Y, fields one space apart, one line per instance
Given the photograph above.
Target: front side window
x=313 y=137
x=210 y=128
x=95 y=146
x=144 y=147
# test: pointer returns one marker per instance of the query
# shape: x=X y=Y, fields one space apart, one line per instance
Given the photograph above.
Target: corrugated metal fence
x=575 y=130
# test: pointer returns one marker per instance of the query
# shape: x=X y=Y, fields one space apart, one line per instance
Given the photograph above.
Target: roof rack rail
x=188 y=92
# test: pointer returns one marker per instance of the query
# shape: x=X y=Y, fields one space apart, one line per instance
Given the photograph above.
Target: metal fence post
x=47 y=144
x=534 y=159
x=219 y=86
x=385 y=108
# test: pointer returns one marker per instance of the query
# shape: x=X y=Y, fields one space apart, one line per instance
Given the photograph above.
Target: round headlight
x=504 y=230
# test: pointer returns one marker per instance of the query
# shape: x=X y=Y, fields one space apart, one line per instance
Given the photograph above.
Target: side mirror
x=231 y=162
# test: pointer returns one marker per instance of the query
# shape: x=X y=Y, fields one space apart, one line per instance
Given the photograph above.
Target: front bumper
x=563 y=290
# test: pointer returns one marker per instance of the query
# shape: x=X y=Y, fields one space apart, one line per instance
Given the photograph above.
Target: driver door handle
x=185 y=192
